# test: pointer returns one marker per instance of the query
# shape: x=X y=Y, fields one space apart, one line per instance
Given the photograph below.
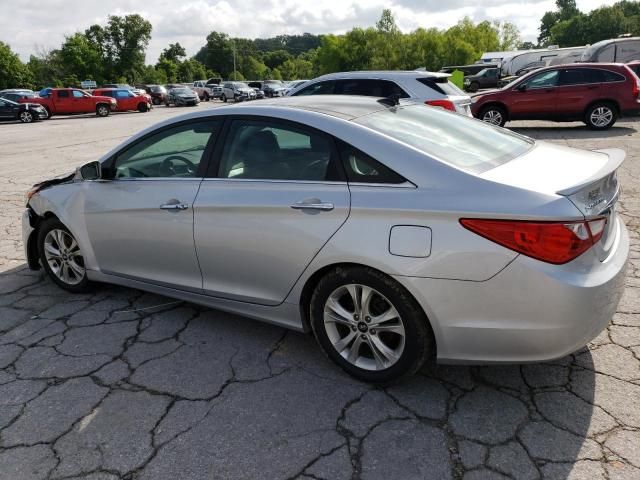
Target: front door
x=277 y=199
x=140 y=223
x=537 y=99
x=7 y=110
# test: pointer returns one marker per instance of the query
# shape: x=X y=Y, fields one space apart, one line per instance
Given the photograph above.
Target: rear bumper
x=529 y=312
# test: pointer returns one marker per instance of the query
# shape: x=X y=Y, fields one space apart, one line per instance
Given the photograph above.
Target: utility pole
x=234 y=59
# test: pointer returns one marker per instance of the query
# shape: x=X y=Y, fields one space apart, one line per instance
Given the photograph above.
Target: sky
x=30 y=26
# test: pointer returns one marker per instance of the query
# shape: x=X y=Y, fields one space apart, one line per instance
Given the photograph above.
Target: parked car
x=207 y=91
x=430 y=88
x=595 y=93
x=16 y=94
x=622 y=50
x=273 y=88
x=237 y=91
x=468 y=69
x=73 y=101
x=487 y=78
x=372 y=225
x=257 y=87
x=25 y=112
x=126 y=99
x=157 y=92
x=293 y=85
x=124 y=86
x=635 y=67
x=182 y=97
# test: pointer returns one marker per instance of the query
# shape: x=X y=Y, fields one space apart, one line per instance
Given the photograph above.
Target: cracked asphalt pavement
x=124 y=384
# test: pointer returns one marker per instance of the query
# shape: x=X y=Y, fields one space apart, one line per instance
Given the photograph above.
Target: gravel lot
x=91 y=390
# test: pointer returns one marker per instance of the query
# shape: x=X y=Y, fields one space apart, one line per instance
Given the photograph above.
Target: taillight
x=446 y=104
x=551 y=242
x=635 y=89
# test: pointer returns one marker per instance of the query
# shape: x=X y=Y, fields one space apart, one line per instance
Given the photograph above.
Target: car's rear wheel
x=143 y=107
x=102 y=111
x=600 y=116
x=369 y=324
x=223 y=97
x=474 y=87
x=494 y=114
x=26 y=117
x=61 y=257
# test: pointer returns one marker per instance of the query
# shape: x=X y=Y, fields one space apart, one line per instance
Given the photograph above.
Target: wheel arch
x=304 y=300
x=494 y=103
x=33 y=258
x=610 y=101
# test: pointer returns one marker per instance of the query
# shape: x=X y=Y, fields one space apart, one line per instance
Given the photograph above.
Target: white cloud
x=35 y=24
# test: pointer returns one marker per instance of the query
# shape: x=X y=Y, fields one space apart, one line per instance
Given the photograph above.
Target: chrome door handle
x=313 y=206
x=174 y=206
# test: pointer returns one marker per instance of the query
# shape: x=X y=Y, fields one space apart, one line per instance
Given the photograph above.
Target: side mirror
x=91 y=171
x=522 y=87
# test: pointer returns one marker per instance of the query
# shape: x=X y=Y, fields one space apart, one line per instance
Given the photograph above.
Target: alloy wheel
x=63 y=256
x=601 y=116
x=364 y=327
x=494 y=117
x=26 y=117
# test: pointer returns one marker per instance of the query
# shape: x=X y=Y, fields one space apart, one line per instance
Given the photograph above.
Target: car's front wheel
x=26 y=117
x=61 y=257
x=601 y=116
x=223 y=97
x=494 y=114
x=369 y=324
x=102 y=111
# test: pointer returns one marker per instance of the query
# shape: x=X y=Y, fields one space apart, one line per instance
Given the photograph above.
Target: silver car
x=392 y=232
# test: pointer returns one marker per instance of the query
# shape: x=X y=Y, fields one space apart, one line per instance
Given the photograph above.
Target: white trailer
x=511 y=65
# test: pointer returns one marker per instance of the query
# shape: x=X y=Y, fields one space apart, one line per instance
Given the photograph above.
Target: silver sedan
x=392 y=232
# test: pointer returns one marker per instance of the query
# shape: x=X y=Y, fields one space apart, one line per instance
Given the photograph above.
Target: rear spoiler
x=616 y=157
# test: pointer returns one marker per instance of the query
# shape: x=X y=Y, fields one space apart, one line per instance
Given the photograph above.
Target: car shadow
x=545 y=131
x=525 y=421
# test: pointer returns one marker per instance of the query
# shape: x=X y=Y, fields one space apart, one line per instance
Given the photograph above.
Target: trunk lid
x=588 y=179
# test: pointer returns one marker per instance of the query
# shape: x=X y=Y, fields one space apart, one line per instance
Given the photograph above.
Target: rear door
x=276 y=199
x=577 y=88
x=7 y=110
x=537 y=99
x=62 y=101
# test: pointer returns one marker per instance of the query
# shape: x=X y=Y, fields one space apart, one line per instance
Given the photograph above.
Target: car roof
x=383 y=74
x=346 y=107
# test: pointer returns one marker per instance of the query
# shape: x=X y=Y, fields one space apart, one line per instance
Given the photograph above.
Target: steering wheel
x=315 y=169
x=167 y=165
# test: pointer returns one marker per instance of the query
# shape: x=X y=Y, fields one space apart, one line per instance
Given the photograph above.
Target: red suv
x=595 y=93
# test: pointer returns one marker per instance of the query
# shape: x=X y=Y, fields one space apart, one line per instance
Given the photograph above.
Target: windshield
x=181 y=90
x=241 y=85
x=158 y=89
x=463 y=142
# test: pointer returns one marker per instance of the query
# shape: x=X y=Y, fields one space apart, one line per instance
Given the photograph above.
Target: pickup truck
x=65 y=101
x=207 y=90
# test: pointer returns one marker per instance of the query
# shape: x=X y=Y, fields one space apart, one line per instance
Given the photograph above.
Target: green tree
x=276 y=58
x=79 y=58
x=174 y=52
x=13 y=73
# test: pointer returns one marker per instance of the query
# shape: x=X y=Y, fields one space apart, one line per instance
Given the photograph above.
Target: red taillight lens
x=446 y=104
x=551 y=242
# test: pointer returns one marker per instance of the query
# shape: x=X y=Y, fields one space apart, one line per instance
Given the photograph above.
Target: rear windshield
x=463 y=142
x=441 y=85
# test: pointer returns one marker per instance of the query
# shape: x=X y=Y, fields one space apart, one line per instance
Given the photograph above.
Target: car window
x=609 y=76
x=122 y=94
x=63 y=93
x=263 y=150
x=361 y=168
x=578 y=76
x=440 y=85
x=606 y=54
x=454 y=139
x=628 y=51
x=172 y=152
x=320 y=88
x=543 y=80
x=77 y=94
x=369 y=88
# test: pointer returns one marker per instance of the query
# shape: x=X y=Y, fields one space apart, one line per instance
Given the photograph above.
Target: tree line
x=115 y=52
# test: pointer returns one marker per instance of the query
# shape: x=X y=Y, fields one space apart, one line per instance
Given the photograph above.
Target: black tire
x=143 y=107
x=474 y=87
x=206 y=97
x=495 y=112
x=103 y=110
x=156 y=101
x=166 y=104
x=601 y=116
x=418 y=337
x=48 y=225
x=26 y=117
x=223 y=97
